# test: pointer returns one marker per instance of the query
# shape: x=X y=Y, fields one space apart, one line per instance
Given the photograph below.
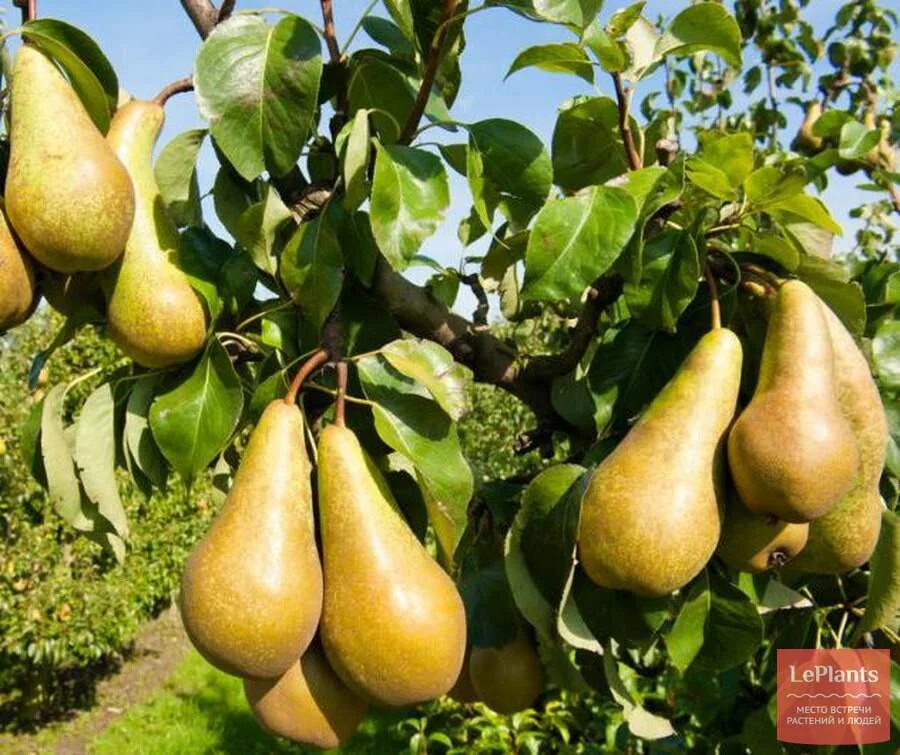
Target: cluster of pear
x=374 y=621
x=83 y=221
x=805 y=457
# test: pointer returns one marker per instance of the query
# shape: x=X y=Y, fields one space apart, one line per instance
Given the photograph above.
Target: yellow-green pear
x=846 y=536
x=67 y=195
x=154 y=314
x=18 y=293
x=806 y=142
x=308 y=704
x=758 y=542
x=652 y=512
x=251 y=594
x=393 y=623
x=508 y=678
x=792 y=451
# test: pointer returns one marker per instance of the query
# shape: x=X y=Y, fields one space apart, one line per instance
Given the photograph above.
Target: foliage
x=611 y=230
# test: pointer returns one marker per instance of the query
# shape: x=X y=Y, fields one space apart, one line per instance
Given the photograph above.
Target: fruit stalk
x=309 y=367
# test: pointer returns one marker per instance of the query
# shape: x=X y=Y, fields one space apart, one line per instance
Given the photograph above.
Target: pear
x=806 y=142
x=18 y=293
x=308 y=704
x=464 y=691
x=651 y=514
x=67 y=195
x=846 y=536
x=68 y=294
x=251 y=594
x=758 y=542
x=509 y=678
x=154 y=314
x=792 y=451
x=393 y=623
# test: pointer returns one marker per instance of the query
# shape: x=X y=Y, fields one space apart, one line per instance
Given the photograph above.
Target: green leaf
x=587 y=145
x=410 y=195
x=232 y=196
x=176 y=174
x=555 y=58
x=669 y=280
x=455 y=155
x=857 y=140
x=704 y=26
x=430 y=364
x=883 y=603
x=258 y=86
x=641 y=723
x=641 y=39
x=831 y=282
x=95 y=455
x=722 y=165
x=734 y=628
x=355 y=161
x=886 y=353
x=201 y=256
x=382 y=89
x=624 y=18
x=416 y=427
x=194 y=419
x=576 y=239
x=358 y=244
x=685 y=639
x=139 y=441
x=312 y=267
x=618 y=614
x=608 y=51
x=768 y=185
x=90 y=73
x=258 y=227
x=830 y=123
x=63 y=487
x=490 y=609
x=388 y=34
x=507 y=166
x=804 y=207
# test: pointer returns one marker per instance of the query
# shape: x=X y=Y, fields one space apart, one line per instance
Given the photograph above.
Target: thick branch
x=480 y=315
x=431 y=67
x=203 y=14
x=334 y=51
x=225 y=10
x=623 y=100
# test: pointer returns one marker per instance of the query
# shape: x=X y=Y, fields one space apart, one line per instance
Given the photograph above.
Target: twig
x=225 y=10
x=203 y=14
x=330 y=39
x=339 y=411
x=309 y=367
x=541 y=437
x=480 y=315
x=176 y=87
x=623 y=99
x=714 y=306
x=28 y=8
x=431 y=66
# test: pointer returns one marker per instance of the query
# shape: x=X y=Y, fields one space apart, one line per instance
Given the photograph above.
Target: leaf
x=388 y=34
x=139 y=441
x=507 y=165
x=886 y=354
x=685 y=638
x=704 y=26
x=415 y=426
x=232 y=196
x=428 y=363
x=607 y=50
x=722 y=165
x=258 y=227
x=258 y=87
x=194 y=419
x=641 y=39
x=574 y=240
x=201 y=256
x=831 y=282
x=555 y=58
x=587 y=145
x=641 y=723
x=312 y=267
x=380 y=88
x=410 y=195
x=63 y=487
x=857 y=140
x=355 y=161
x=90 y=73
x=358 y=244
x=95 y=455
x=804 y=207
x=768 y=185
x=176 y=174
x=669 y=281
x=734 y=629
x=883 y=603
x=490 y=610
x=618 y=614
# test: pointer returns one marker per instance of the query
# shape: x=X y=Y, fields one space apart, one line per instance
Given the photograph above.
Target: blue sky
x=152 y=44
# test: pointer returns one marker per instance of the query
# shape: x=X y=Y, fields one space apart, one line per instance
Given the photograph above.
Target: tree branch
x=203 y=14
x=225 y=10
x=480 y=315
x=28 y=8
x=623 y=99
x=334 y=50
x=176 y=87
x=431 y=66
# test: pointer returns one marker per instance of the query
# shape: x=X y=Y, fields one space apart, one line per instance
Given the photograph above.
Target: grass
x=200 y=710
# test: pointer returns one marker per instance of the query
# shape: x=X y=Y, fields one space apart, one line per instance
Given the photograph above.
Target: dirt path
x=158 y=649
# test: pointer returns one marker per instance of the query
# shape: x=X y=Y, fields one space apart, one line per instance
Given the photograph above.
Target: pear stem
x=176 y=87
x=714 y=306
x=309 y=367
x=28 y=8
x=339 y=411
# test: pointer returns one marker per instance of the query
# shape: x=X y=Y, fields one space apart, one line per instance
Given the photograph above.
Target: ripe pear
x=18 y=293
x=251 y=594
x=806 y=142
x=651 y=515
x=308 y=704
x=464 y=691
x=792 y=451
x=509 y=678
x=154 y=314
x=67 y=195
x=393 y=623
x=758 y=542
x=846 y=536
